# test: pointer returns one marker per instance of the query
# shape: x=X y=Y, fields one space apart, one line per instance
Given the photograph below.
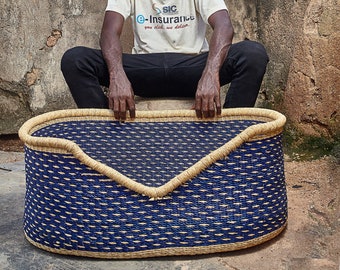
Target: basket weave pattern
x=235 y=202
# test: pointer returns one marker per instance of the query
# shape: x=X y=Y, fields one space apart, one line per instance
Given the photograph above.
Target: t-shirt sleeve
x=208 y=7
x=123 y=7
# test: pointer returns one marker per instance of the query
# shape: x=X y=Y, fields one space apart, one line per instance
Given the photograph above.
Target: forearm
x=208 y=88
x=220 y=43
x=111 y=46
x=120 y=94
x=112 y=53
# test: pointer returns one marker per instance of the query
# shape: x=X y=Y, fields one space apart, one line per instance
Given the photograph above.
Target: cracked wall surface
x=302 y=39
x=34 y=35
x=312 y=96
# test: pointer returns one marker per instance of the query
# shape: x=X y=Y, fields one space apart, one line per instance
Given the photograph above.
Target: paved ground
x=311 y=240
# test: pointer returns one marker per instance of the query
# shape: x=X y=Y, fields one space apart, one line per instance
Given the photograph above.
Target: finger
x=116 y=109
x=211 y=108
x=205 y=107
x=122 y=110
x=198 y=109
x=218 y=109
x=218 y=105
x=131 y=108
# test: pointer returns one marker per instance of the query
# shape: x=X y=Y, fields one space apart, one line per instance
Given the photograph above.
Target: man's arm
x=208 y=89
x=120 y=94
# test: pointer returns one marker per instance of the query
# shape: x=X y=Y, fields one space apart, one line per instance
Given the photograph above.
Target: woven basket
x=165 y=183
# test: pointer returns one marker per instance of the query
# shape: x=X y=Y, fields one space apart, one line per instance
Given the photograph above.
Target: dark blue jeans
x=165 y=74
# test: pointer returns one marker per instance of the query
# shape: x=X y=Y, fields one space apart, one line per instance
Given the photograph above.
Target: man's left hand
x=208 y=100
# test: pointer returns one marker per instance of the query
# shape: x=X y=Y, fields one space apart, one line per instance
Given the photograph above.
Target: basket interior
x=149 y=153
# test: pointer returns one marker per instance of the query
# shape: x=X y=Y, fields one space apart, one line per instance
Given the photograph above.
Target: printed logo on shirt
x=166 y=10
x=165 y=15
x=158 y=10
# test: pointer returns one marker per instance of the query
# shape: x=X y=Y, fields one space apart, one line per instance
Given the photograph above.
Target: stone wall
x=33 y=37
x=302 y=39
x=312 y=96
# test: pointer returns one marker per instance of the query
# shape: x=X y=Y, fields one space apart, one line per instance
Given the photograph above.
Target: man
x=170 y=58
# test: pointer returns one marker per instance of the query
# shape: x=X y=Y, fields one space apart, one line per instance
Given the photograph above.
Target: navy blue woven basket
x=163 y=184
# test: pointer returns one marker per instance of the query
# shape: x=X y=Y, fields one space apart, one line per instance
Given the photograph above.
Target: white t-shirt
x=168 y=26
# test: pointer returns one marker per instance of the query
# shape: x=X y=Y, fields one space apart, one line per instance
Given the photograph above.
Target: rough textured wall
x=302 y=38
x=279 y=24
x=33 y=37
x=303 y=41
x=244 y=19
x=312 y=96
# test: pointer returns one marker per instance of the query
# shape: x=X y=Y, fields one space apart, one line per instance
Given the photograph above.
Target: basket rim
x=274 y=126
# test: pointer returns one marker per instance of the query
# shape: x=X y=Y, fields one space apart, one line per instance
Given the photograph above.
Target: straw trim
x=274 y=126
x=164 y=251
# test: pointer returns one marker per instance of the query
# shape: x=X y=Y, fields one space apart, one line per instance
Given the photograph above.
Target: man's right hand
x=121 y=98
x=120 y=95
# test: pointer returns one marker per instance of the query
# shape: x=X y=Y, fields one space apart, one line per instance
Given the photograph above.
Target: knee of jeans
x=71 y=57
x=256 y=52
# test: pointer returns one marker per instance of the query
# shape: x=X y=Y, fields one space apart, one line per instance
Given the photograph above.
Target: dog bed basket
x=165 y=183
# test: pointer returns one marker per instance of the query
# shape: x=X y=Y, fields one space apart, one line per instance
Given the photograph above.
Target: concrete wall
x=34 y=35
x=303 y=77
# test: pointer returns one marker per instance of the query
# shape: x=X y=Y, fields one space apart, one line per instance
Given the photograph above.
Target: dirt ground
x=11 y=143
x=314 y=205
x=312 y=240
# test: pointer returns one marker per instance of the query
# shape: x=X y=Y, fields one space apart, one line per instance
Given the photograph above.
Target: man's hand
x=208 y=100
x=121 y=98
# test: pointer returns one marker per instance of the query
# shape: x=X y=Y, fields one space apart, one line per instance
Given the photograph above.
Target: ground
x=311 y=240
x=11 y=143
